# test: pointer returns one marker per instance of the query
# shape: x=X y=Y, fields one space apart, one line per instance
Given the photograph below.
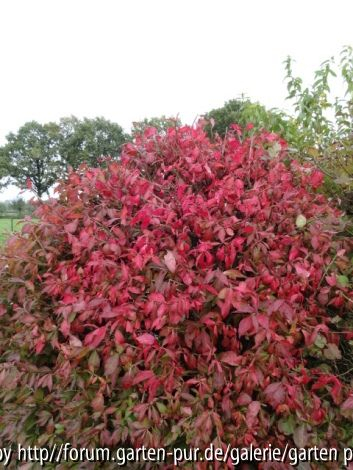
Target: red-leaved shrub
x=193 y=292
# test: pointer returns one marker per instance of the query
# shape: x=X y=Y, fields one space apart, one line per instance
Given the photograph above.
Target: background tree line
x=40 y=154
x=16 y=208
x=320 y=129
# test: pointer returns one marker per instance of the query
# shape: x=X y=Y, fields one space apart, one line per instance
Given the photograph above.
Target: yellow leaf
x=313 y=152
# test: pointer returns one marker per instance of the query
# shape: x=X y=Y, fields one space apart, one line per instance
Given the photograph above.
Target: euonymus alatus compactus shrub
x=194 y=292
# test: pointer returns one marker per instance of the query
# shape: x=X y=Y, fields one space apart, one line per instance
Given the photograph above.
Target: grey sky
x=126 y=60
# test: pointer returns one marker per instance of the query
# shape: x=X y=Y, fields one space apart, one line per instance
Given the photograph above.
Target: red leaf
x=119 y=338
x=39 y=345
x=316 y=178
x=330 y=380
x=301 y=271
x=94 y=338
x=69 y=299
x=244 y=399
x=146 y=339
x=143 y=375
x=245 y=326
x=71 y=227
x=230 y=357
x=275 y=394
x=347 y=404
x=65 y=327
x=29 y=183
x=347 y=407
x=98 y=402
x=111 y=365
x=127 y=380
x=252 y=412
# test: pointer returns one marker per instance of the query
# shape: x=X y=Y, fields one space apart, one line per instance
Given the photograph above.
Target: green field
x=6 y=226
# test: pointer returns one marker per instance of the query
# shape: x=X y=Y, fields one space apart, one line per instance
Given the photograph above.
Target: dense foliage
x=325 y=122
x=320 y=117
x=320 y=127
x=193 y=292
x=243 y=111
x=87 y=140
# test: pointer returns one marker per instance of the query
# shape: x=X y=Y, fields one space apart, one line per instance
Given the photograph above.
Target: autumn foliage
x=193 y=292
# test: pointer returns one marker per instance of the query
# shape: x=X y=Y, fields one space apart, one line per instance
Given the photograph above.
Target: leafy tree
x=242 y=111
x=88 y=140
x=18 y=205
x=38 y=155
x=325 y=122
x=31 y=157
x=320 y=117
x=4 y=161
x=160 y=123
x=3 y=208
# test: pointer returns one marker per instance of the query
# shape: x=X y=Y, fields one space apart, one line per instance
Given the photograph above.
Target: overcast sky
x=130 y=59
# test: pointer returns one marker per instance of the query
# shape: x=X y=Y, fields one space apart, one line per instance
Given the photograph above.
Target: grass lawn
x=6 y=228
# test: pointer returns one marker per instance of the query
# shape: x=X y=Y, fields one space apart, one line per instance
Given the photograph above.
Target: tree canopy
x=32 y=157
x=38 y=155
x=242 y=111
x=88 y=140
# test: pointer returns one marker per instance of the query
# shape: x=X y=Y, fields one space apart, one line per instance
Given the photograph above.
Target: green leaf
x=320 y=341
x=274 y=150
x=343 y=280
x=161 y=407
x=59 y=428
x=286 y=425
x=39 y=395
x=300 y=221
x=30 y=423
